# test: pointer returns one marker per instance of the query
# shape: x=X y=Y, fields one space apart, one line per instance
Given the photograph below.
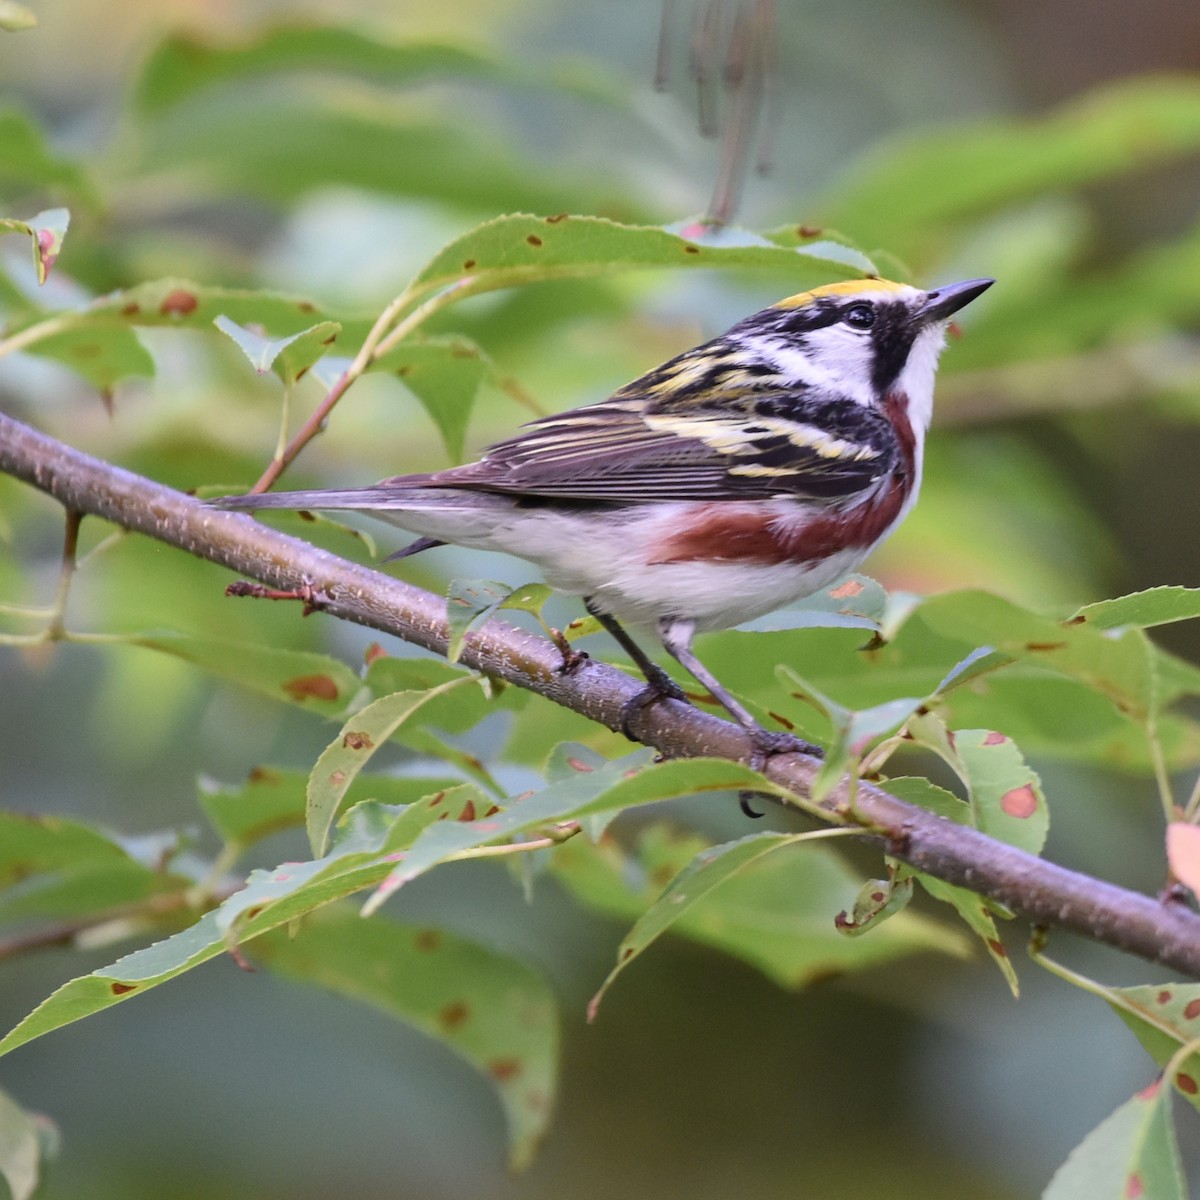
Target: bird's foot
x=765 y=744
x=572 y=659
x=659 y=686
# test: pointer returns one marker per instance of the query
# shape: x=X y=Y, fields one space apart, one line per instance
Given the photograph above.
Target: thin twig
x=1043 y=892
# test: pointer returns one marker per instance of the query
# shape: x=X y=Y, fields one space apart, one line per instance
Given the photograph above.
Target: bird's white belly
x=614 y=557
x=610 y=557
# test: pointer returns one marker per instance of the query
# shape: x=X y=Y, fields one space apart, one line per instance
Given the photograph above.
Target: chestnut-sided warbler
x=743 y=474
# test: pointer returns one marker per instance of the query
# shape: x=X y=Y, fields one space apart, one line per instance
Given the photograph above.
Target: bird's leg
x=572 y=659
x=659 y=685
x=677 y=637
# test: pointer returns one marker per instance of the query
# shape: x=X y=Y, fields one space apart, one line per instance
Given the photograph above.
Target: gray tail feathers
x=350 y=498
x=363 y=499
x=380 y=498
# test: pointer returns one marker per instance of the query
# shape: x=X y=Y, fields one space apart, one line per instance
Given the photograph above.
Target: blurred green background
x=1063 y=481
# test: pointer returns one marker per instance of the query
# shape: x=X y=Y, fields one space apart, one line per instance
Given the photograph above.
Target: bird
x=739 y=476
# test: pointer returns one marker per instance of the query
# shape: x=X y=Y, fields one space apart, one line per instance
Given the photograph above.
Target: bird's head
x=861 y=338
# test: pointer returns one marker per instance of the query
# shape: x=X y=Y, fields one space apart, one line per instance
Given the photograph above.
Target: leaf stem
x=1162 y=777
x=555 y=837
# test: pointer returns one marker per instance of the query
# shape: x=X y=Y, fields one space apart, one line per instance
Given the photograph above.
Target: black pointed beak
x=942 y=303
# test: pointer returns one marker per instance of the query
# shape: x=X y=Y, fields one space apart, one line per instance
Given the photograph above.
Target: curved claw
x=766 y=744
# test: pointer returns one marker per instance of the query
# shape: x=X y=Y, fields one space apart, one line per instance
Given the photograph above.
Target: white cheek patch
x=835 y=358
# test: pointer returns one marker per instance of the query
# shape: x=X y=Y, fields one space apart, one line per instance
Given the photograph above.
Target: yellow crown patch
x=847 y=287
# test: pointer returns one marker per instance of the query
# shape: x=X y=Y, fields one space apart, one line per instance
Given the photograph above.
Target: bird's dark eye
x=859 y=316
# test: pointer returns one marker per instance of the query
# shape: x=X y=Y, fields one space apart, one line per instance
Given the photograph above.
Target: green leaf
x=273 y=799
x=856 y=602
x=854 y=731
x=313 y=681
x=469 y=602
x=20 y=1143
x=778 y=915
x=368 y=839
x=445 y=374
x=387 y=674
x=518 y=249
x=877 y=900
x=1069 y=716
x=1117 y=666
x=102 y=356
x=622 y=783
x=290 y=357
x=174 y=303
x=1155 y=606
x=186 y=63
x=707 y=871
x=978 y=917
x=1132 y=1153
x=1164 y=1018
x=1064 y=718
x=487 y=1007
x=269 y=899
x=58 y=868
x=97 y=341
x=15 y=17
x=926 y=794
x=46 y=231
x=1006 y=794
x=353 y=748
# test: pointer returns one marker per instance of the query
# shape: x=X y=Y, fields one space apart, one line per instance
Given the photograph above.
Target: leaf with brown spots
x=1132 y=1153
x=491 y=1009
x=611 y=787
x=1005 y=792
x=858 y=602
x=273 y=800
x=289 y=357
x=370 y=838
x=46 y=231
x=316 y=682
x=1118 y=665
x=352 y=749
x=771 y=904
x=877 y=900
x=61 y=869
x=107 y=325
x=519 y=248
x=1165 y=1019
x=469 y=603
x=305 y=687
x=977 y=914
x=1155 y=606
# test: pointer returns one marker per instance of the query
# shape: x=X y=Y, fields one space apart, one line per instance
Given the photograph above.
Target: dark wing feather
x=629 y=449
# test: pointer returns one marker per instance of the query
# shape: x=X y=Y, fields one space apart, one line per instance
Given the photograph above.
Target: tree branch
x=1041 y=891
